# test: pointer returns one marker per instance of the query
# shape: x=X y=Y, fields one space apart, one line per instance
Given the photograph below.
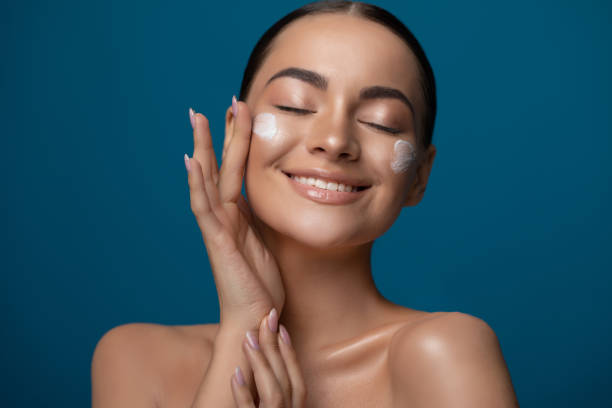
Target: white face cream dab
x=264 y=125
x=403 y=156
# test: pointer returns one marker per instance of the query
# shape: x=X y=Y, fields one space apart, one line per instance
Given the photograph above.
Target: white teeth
x=332 y=186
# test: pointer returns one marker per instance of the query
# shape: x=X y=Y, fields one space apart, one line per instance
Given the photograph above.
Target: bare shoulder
x=145 y=364
x=452 y=326
x=449 y=359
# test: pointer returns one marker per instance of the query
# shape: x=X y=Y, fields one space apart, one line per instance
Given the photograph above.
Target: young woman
x=332 y=135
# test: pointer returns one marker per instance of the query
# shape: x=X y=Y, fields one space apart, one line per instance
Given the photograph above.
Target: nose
x=334 y=138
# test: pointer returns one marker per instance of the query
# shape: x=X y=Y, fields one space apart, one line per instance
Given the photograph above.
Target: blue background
x=96 y=225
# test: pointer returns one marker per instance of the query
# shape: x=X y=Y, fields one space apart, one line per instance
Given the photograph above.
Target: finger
x=268 y=388
x=232 y=168
x=229 y=129
x=268 y=339
x=205 y=155
x=296 y=378
x=203 y=149
x=242 y=394
x=200 y=202
x=212 y=190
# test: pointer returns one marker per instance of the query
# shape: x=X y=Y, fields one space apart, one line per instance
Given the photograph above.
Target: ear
x=229 y=130
x=417 y=190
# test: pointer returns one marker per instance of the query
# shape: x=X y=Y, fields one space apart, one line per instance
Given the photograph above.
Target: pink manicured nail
x=285 y=335
x=192 y=118
x=239 y=376
x=273 y=320
x=234 y=107
x=252 y=339
x=187 y=165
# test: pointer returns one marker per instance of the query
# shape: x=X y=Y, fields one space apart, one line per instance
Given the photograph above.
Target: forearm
x=215 y=389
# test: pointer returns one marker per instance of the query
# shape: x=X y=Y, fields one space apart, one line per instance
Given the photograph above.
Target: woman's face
x=344 y=114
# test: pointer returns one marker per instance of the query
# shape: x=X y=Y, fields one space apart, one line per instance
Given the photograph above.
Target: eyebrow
x=313 y=78
x=320 y=82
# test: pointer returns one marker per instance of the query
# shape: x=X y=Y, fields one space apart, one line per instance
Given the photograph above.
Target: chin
x=315 y=239
x=314 y=230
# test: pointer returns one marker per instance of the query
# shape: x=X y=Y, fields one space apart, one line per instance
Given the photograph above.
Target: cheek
x=271 y=136
x=264 y=126
x=393 y=161
x=402 y=157
x=391 y=158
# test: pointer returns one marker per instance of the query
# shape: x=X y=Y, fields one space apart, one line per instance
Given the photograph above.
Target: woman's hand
x=278 y=376
x=246 y=275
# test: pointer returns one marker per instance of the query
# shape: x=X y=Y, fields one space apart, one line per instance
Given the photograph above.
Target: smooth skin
x=282 y=260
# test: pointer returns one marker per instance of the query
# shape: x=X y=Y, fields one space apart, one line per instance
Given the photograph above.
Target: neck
x=330 y=295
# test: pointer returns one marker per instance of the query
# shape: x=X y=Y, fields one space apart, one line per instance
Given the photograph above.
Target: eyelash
x=296 y=110
x=305 y=111
x=384 y=128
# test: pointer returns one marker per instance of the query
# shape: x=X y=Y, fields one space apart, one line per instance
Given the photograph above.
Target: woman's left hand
x=278 y=376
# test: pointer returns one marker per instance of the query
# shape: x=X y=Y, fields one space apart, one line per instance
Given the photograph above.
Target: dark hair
x=369 y=12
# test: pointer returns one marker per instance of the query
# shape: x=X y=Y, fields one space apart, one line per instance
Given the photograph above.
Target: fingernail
x=187 y=165
x=252 y=339
x=239 y=376
x=192 y=118
x=273 y=320
x=234 y=106
x=285 y=335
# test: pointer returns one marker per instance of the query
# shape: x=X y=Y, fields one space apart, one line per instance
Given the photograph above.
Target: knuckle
x=269 y=339
x=197 y=207
x=222 y=240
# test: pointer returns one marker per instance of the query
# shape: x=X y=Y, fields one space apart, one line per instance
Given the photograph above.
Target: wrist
x=239 y=326
x=233 y=333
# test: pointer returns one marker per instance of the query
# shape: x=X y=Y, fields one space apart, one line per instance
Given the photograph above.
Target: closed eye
x=306 y=111
x=295 y=110
x=383 y=128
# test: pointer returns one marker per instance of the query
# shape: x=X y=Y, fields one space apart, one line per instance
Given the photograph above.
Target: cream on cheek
x=403 y=156
x=273 y=136
x=265 y=126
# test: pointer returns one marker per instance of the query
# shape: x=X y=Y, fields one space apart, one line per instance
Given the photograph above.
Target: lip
x=327 y=175
x=321 y=195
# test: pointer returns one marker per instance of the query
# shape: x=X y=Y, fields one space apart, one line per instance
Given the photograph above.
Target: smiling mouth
x=329 y=185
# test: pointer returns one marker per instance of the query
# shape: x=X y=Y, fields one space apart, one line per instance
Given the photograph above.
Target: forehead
x=350 y=51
